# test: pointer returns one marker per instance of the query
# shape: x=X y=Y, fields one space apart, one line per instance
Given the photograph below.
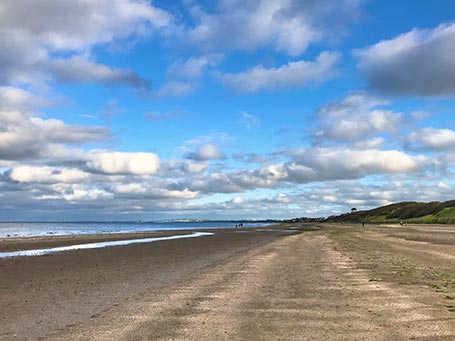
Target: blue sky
x=129 y=109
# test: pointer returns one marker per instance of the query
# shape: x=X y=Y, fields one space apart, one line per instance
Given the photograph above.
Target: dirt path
x=296 y=288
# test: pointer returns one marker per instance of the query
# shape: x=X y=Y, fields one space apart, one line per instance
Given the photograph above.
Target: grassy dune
x=407 y=212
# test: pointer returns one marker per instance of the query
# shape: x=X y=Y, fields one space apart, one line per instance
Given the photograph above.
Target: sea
x=34 y=229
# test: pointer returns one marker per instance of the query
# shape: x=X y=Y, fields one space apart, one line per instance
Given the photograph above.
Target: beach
x=325 y=282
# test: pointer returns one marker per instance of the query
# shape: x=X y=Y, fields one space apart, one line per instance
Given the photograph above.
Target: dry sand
x=335 y=283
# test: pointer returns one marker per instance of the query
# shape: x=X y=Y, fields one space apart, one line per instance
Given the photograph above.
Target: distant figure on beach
x=363 y=224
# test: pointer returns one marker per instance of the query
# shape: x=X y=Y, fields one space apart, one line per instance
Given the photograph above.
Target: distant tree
x=353 y=209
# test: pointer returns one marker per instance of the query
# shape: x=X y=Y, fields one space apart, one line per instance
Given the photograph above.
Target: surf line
x=41 y=252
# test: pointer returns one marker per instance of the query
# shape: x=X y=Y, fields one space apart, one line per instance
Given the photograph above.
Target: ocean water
x=47 y=251
x=29 y=229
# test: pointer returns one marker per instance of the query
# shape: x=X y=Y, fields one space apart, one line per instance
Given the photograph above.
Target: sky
x=223 y=109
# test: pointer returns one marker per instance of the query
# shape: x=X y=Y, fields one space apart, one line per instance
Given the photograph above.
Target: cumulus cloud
x=13 y=98
x=77 y=69
x=356 y=115
x=75 y=193
x=29 y=39
x=432 y=139
x=263 y=177
x=146 y=191
x=372 y=143
x=183 y=76
x=250 y=158
x=419 y=62
x=209 y=183
x=114 y=19
x=206 y=152
x=173 y=168
x=23 y=135
x=289 y=26
x=124 y=163
x=292 y=75
x=43 y=174
x=320 y=164
x=193 y=67
x=56 y=131
x=307 y=165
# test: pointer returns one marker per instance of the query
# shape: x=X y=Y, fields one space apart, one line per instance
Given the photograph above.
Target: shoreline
x=14 y=230
x=10 y=244
x=97 y=245
x=34 y=242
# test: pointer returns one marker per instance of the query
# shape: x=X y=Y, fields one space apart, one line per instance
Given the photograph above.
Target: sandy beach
x=328 y=282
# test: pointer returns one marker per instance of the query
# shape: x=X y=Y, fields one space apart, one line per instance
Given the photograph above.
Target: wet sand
x=336 y=282
x=43 y=294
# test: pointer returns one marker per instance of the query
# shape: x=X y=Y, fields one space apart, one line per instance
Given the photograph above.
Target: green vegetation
x=407 y=212
x=386 y=264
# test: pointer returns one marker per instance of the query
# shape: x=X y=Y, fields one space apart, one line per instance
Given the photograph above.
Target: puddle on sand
x=41 y=252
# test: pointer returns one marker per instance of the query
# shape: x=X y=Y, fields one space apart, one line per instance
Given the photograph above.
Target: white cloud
x=289 y=25
x=307 y=165
x=78 y=69
x=74 y=193
x=432 y=138
x=264 y=177
x=356 y=115
x=292 y=75
x=206 y=152
x=29 y=38
x=172 y=168
x=49 y=175
x=86 y=194
x=372 y=143
x=342 y=163
x=147 y=191
x=13 y=98
x=67 y=25
x=250 y=158
x=194 y=67
x=124 y=163
x=419 y=62
x=23 y=135
x=56 y=131
x=29 y=140
x=210 y=183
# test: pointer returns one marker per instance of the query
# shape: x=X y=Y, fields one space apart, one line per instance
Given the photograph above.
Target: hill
x=409 y=212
